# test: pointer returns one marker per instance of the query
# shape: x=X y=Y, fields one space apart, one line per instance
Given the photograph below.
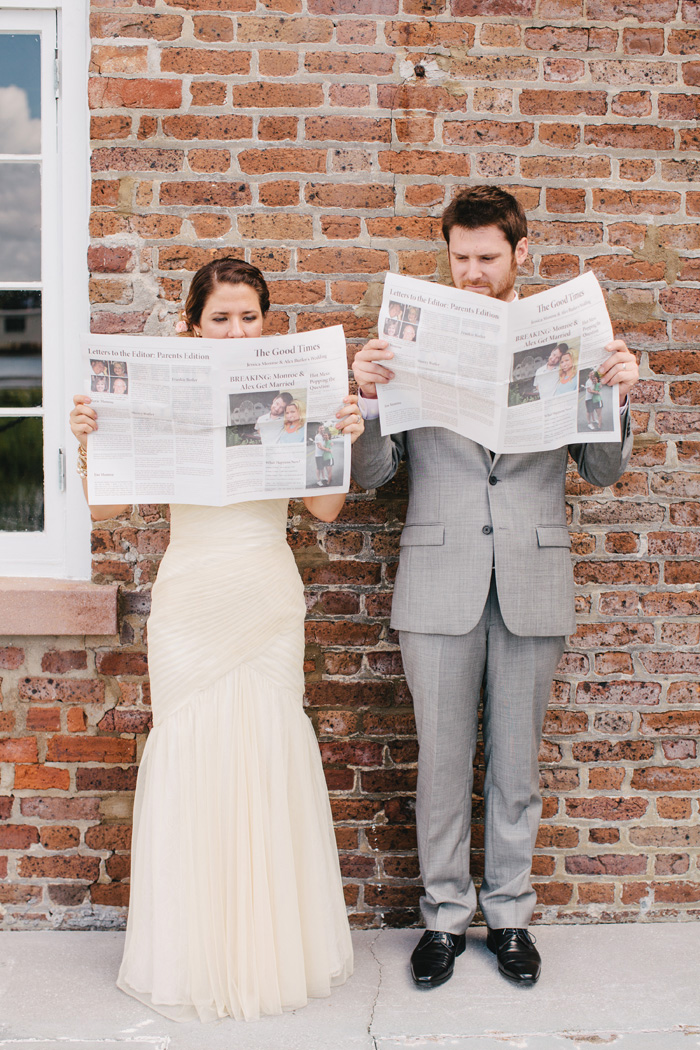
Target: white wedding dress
x=236 y=897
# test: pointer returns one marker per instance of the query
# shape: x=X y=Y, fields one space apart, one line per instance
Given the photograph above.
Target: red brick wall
x=323 y=138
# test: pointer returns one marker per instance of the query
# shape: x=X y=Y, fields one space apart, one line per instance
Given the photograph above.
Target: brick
x=684 y=42
x=630 y=71
x=115 y=93
x=11 y=657
x=116 y=59
x=18 y=836
x=492 y=8
x=348 y=129
x=198 y=61
x=347 y=63
x=608 y=809
x=18 y=749
x=565 y=167
x=553 y=893
x=629 y=136
x=109 y=260
x=207 y=93
x=481 y=132
x=116 y=662
x=595 y=893
x=347 y=195
x=606 y=864
x=563 y=70
x=90 y=749
x=603 y=836
x=417 y=96
x=206 y=194
x=340 y=228
x=635 y=694
x=426 y=33
x=410 y=227
x=533 y=101
x=671 y=809
x=284 y=193
x=644 y=41
x=635 y=202
x=619 y=572
x=565 y=233
x=263 y=161
x=220 y=128
x=342 y=260
x=154 y=27
x=665 y=778
x=85 y=868
x=113 y=127
x=41 y=778
x=59 y=837
x=96 y=778
x=424 y=162
x=357 y=32
x=642 y=10
x=285 y=30
x=670 y=723
x=43 y=719
x=275 y=227
x=213 y=28
x=619 y=751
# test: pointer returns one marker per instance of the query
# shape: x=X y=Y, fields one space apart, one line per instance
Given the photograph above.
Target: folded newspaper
x=515 y=377
x=216 y=421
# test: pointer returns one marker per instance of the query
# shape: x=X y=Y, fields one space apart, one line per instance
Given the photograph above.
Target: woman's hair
x=221 y=271
x=300 y=410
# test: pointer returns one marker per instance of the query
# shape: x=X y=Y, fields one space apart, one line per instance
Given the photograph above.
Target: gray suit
x=483 y=598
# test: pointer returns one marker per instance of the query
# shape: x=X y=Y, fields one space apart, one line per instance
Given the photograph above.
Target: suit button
x=493 y=480
x=487 y=530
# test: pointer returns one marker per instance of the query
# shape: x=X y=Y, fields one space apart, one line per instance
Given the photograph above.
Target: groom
x=483 y=600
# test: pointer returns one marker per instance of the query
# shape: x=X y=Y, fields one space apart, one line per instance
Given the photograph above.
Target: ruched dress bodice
x=236 y=897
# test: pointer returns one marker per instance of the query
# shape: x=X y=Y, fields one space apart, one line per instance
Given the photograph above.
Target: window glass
x=21 y=474
x=20 y=93
x=20 y=222
x=20 y=348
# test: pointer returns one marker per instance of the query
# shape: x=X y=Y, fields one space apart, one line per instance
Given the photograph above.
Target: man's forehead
x=478 y=238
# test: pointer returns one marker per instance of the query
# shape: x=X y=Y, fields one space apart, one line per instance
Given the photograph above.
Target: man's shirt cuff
x=368 y=406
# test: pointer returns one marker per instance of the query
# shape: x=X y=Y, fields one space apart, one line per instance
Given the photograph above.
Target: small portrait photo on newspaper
x=595 y=403
x=119 y=386
x=118 y=369
x=98 y=367
x=99 y=384
x=267 y=417
x=543 y=372
x=325 y=451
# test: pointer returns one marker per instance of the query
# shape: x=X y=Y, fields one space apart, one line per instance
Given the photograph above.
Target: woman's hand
x=83 y=420
x=349 y=418
x=621 y=367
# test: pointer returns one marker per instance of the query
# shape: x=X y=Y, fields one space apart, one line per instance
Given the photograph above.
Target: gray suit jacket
x=469 y=513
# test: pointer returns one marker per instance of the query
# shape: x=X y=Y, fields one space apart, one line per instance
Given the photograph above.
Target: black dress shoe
x=517 y=956
x=433 y=958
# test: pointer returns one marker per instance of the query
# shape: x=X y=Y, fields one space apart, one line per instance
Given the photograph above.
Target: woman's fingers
x=83 y=419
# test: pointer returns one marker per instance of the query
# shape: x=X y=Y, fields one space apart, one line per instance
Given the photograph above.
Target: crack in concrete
x=375 y=1000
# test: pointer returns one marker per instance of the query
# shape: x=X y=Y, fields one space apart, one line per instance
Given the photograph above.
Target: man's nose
x=473 y=270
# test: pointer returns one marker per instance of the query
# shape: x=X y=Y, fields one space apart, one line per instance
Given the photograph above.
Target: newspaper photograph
x=216 y=421
x=515 y=377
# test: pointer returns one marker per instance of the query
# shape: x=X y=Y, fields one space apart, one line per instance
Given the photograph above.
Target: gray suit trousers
x=445 y=674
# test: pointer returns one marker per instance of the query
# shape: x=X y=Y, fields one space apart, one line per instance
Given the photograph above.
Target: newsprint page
x=515 y=377
x=216 y=421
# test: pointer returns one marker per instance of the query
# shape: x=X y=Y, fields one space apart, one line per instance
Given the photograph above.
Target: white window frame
x=62 y=550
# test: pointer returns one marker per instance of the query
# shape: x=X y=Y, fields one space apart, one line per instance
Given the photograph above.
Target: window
x=43 y=282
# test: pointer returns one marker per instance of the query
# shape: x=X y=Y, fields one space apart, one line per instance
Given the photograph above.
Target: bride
x=236 y=896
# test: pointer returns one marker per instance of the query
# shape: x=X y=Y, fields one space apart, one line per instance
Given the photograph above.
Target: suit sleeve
x=603 y=464
x=375 y=459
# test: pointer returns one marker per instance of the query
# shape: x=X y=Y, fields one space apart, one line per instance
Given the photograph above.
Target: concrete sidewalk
x=634 y=987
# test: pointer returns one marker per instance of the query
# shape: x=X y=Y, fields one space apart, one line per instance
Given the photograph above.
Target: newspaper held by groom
x=514 y=376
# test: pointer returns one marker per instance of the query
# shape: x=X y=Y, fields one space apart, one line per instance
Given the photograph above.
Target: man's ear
x=521 y=251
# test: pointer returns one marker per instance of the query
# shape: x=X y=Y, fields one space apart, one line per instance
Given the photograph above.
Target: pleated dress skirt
x=237 y=903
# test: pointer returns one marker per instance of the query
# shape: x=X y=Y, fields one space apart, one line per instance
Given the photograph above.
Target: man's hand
x=367 y=373
x=621 y=368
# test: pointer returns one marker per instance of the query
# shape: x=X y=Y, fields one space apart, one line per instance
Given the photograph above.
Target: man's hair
x=486 y=206
x=287 y=398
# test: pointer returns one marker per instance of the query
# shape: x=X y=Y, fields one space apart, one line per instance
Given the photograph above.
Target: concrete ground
x=627 y=987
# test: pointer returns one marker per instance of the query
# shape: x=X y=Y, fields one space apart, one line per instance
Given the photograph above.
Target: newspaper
x=216 y=421
x=515 y=377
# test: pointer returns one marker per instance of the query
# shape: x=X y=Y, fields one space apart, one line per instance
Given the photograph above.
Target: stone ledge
x=36 y=606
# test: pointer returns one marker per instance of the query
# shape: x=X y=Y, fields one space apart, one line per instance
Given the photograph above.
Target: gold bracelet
x=82 y=462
